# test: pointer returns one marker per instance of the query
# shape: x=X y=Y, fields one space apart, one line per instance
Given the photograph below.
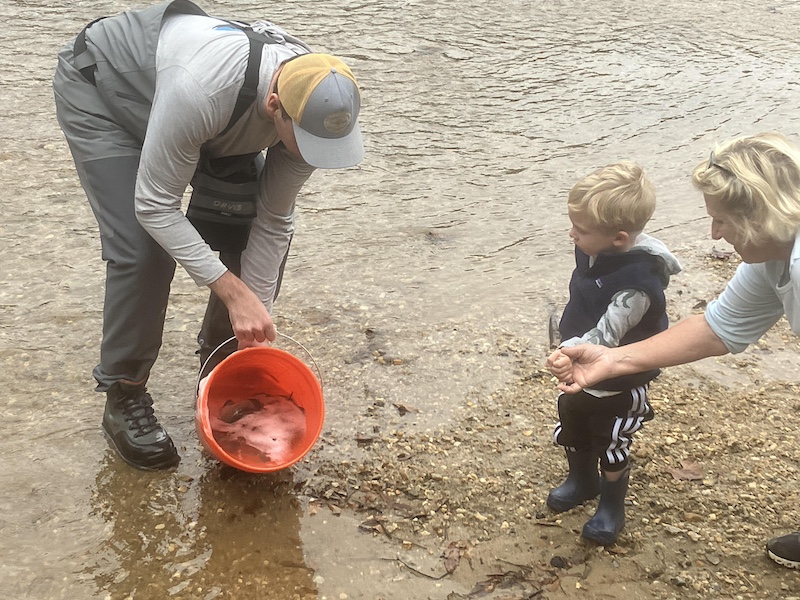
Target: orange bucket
x=262 y=372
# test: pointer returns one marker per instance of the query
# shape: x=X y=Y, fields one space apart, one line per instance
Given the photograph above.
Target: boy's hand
x=560 y=365
x=589 y=363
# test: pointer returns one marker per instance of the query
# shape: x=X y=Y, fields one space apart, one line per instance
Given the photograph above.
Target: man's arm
x=281 y=180
x=169 y=158
x=250 y=319
x=181 y=120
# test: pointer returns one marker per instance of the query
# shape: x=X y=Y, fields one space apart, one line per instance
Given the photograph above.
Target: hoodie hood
x=655 y=247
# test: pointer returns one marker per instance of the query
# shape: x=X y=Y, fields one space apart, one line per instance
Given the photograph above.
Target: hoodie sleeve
x=624 y=312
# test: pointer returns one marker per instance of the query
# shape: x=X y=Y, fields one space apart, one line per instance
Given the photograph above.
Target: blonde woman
x=751 y=187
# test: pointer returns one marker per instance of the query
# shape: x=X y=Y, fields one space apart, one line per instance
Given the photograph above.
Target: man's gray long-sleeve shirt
x=200 y=68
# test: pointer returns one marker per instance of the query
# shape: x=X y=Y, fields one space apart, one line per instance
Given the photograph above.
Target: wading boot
x=133 y=429
x=582 y=482
x=604 y=527
x=785 y=550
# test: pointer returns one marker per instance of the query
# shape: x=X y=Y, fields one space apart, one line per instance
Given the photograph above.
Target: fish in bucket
x=259 y=410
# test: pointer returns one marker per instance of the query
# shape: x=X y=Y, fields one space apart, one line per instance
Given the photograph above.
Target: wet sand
x=421 y=282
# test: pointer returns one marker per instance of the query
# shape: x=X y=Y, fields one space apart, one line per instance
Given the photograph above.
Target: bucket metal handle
x=230 y=339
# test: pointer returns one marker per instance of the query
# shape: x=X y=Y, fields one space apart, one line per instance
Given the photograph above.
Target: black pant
x=603 y=425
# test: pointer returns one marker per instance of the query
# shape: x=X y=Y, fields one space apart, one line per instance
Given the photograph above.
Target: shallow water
x=406 y=273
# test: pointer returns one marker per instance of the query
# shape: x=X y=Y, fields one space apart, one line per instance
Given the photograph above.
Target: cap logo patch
x=338 y=122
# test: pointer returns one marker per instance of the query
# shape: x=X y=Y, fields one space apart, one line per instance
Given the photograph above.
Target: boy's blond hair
x=756 y=180
x=617 y=197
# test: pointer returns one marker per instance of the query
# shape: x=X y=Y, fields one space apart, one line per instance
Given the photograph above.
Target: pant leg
x=628 y=412
x=603 y=424
x=138 y=271
x=572 y=430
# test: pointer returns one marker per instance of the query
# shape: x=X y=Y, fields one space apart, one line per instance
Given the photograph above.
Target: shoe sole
x=166 y=464
x=560 y=508
x=563 y=506
x=600 y=538
x=791 y=564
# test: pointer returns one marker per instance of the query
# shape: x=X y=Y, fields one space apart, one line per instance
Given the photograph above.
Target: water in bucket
x=267 y=428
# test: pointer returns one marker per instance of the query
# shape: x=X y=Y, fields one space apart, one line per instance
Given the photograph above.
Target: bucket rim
x=230 y=339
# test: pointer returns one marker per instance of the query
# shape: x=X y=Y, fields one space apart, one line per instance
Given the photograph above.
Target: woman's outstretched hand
x=580 y=367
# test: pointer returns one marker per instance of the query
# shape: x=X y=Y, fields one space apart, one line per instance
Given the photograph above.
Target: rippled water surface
x=478 y=118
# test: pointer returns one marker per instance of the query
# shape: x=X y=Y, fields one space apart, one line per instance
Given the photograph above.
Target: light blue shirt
x=755 y=299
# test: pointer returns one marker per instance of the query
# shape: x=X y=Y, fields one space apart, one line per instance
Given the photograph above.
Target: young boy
x=616 y=298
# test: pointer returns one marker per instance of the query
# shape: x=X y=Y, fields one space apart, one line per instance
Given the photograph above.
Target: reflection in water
x=227 y=535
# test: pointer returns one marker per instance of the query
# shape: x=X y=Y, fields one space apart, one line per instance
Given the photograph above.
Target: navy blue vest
x=592 y=288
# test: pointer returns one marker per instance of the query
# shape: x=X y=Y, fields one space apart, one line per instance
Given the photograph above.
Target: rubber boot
x=582 y=482
x=604 y=527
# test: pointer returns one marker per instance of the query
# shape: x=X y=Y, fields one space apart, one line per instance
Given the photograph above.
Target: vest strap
x=247 y=95
x=83 y=59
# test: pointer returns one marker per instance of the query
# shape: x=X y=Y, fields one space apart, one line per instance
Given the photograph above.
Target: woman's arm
x=688 y=341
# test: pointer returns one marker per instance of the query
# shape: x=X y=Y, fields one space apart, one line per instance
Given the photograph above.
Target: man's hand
x=253 y=344
x=250 y=319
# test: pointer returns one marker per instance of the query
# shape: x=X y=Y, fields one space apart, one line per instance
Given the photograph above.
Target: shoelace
x=138 y=410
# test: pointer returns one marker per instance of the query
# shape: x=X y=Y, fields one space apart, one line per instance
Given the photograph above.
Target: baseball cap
x=319 y=92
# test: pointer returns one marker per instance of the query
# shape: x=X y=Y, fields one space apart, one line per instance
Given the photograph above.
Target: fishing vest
x=224 y=189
